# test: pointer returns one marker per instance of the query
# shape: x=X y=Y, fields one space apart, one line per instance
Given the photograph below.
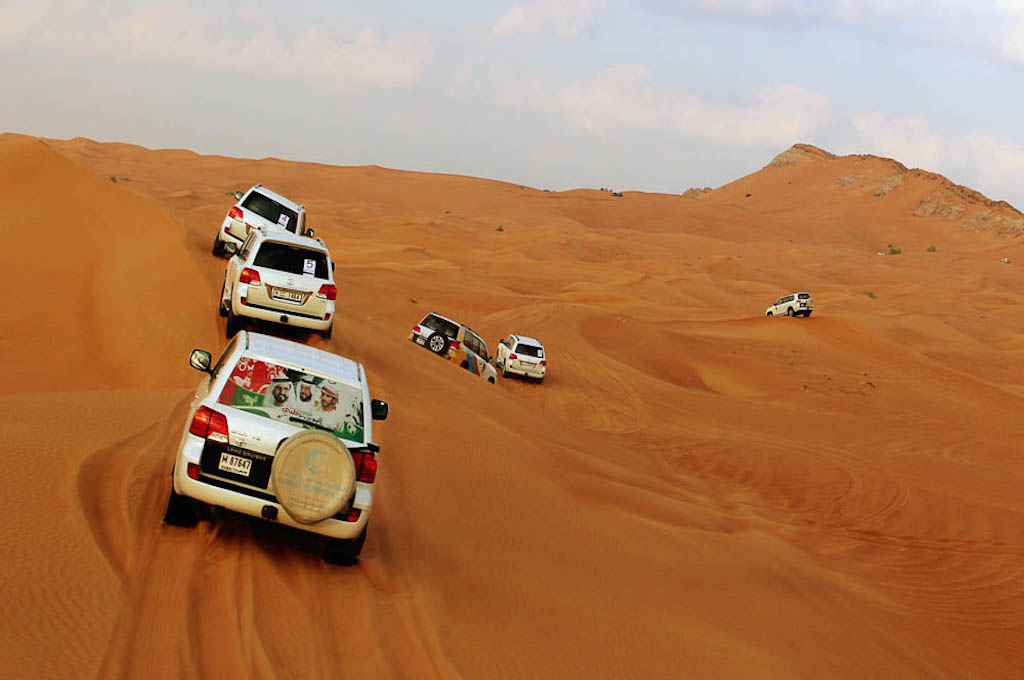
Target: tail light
x=193 y=470
x=235 y=213
x=543 y=362
x=210 y=424
x=416 y=329
x=328 y=290
x=513 y=357
x=353 y=515
x=365 y=463
x=327 y=316
x=454 y=344
x=250 y=276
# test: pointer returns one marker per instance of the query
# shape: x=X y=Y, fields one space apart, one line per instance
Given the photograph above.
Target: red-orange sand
x=696 y=491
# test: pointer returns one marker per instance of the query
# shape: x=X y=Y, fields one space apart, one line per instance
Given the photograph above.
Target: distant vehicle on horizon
x=281 y=278
x=794 y=304
x=280 y=431
x=259 y=207
x=456 y=342
x=521 y=355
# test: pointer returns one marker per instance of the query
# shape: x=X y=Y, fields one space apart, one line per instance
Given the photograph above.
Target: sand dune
x=695 y=491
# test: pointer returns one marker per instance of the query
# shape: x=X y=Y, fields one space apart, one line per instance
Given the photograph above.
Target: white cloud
x=180 y=35
x=909 y=139
x=623 y=98
x=993 y=29
x=567 y=18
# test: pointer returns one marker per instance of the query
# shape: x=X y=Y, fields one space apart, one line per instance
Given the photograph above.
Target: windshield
x=529 y=350
x=292 y=259
x=293 y=396
x=271 y=210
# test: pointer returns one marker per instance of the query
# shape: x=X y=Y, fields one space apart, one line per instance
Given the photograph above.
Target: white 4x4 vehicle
x=521 y=355
x=282 y=431
x=455 y=342
x=259 y=207
x=281 y=278
x=794 y=304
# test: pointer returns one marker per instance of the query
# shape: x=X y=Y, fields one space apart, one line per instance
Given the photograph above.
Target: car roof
x=441 y=316
x=287 y=202
x=528 y=340
x=282 y=236
x=304 y=356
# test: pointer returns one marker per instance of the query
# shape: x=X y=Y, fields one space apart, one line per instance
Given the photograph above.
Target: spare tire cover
x=313 y=476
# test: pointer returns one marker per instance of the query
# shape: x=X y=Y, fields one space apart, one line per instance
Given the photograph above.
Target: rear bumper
x=249 y=505
x=536 y=372
x=284 y=316
x=236 y=231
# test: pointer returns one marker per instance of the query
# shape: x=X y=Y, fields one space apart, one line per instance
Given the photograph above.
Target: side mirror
x=238 y=195
x=334 y=265
x=310 y=233
x=378 y=408
x=200 y=360
x=230 y=248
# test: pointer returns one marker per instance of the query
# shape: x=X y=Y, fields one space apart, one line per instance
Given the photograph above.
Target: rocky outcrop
x=696 y=192
x=800 y=154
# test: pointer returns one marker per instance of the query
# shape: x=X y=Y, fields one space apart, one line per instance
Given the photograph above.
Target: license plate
x=236 y=464
x=289 y=295
x=421 y=340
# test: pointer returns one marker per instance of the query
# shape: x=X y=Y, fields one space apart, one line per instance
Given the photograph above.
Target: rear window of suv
x=295 y=397
x=291 y=259
x=529 y=350
x=804 y=296
x=442 y=326
x=271 y=210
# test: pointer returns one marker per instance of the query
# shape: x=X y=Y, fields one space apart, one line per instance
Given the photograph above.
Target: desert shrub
x=869 y=294
x=930 y=249
x=893 y=250
x=500 y=228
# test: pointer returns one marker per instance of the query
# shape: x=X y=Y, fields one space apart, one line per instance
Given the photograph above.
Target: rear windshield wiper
x=318 y=426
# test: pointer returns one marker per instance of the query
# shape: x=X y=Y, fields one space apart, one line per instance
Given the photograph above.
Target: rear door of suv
x=292 y=277
x=261 y=210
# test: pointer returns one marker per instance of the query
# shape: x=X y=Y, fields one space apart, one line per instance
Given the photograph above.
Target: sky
x=648 y=95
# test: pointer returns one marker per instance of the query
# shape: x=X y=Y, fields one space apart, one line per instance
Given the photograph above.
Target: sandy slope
x=695 y=491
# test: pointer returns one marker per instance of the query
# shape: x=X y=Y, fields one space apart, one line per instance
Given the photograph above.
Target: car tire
x=181 y=511
x=233 y=325
x=540 y=380
x=344 y=551
x=437 y=343
x=769 y=314
x=327 y=334
x=223 y=305
x=218 y=246
x=492 y=380
x=789 y=311
x=807 y=313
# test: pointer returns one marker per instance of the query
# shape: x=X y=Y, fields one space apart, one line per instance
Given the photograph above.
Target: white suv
x=794 y=304
x=264 y=395
x=259 y=207
x=521 y=355
x=281 y=278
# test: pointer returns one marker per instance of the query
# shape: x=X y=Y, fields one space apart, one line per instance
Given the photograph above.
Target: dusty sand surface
x=695 y=491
